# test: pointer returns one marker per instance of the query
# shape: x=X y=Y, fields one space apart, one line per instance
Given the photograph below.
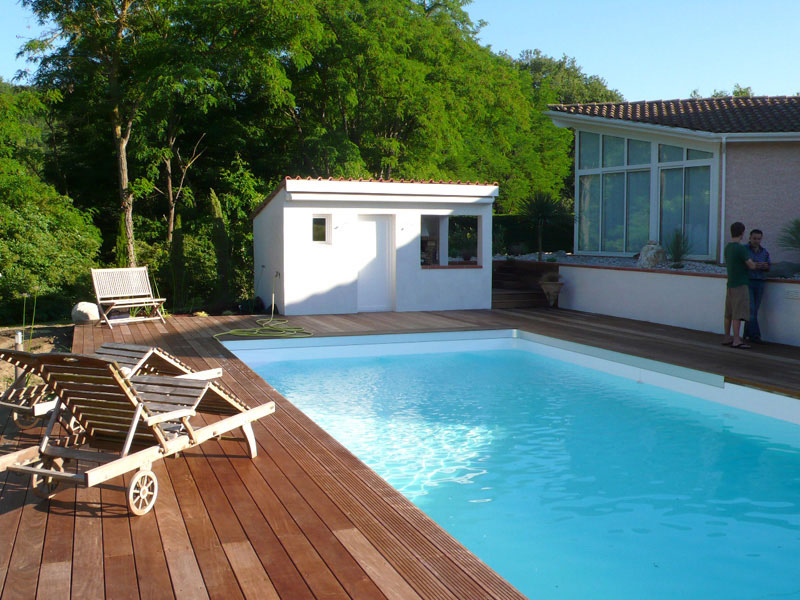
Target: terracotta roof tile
x=459 y=182
x=730 y=114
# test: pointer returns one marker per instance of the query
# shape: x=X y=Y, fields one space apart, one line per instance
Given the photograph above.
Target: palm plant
x=542 y=208
x=789 y=238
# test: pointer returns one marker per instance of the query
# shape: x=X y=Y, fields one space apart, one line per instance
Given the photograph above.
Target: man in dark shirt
x=758 y=276
x=737 y=297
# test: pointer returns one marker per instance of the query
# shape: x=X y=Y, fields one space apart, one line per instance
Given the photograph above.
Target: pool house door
x=376 y=275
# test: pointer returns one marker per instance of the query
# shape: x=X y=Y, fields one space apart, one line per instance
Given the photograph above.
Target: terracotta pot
x=551 y=290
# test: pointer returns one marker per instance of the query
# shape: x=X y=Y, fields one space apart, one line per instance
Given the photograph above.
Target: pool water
x=570 y=482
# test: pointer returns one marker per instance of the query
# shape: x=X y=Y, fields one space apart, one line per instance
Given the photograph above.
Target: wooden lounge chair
x=125 y=289
x=135 y=420
x=29 y=402
x=150 y=360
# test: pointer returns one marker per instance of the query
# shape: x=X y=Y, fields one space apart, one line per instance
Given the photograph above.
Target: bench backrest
x=110 y=284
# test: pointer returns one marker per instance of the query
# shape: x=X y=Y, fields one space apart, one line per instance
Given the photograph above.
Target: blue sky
x=646 y=50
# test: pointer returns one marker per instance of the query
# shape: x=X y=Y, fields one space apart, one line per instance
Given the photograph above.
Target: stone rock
x=560 y=254
x=85 y=312
x=783 y=269
x=651 y=255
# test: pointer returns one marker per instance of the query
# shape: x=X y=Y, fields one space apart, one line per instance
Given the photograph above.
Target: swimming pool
x=571 y=482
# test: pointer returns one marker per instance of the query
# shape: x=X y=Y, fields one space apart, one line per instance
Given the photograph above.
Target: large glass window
x=631 y=191
x=589 y=213
x=613 y=239
x=589 y=150
x=685 y=204
x=698 y=201
x=638 y=208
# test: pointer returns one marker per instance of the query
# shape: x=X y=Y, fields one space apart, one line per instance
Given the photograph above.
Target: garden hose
x=272 y=327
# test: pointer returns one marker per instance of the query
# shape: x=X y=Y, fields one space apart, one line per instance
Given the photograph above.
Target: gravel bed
x=689 y=266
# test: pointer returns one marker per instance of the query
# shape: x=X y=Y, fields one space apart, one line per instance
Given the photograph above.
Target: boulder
x=651 y=255
x=783 y=269
x=85 y=312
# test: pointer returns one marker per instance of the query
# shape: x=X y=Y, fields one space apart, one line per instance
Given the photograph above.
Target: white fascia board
x=386 y=199
x=631 y=127
x=561 y=119
x=377 y=189
x=782 y=136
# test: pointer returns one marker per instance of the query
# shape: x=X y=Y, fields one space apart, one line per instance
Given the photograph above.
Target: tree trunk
x=125 y=195
x=170 y=200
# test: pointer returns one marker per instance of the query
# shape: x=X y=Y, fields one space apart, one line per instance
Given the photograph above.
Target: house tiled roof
x=730 y=114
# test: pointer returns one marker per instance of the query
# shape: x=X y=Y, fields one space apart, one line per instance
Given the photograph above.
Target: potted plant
x=551 y=286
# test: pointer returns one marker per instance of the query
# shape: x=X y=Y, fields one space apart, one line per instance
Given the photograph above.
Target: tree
x=568 y=82
x=46 y=245
x=114 y=48
x=542 y=208
x=738 y=92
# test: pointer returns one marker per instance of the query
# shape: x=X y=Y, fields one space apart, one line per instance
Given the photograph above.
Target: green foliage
x=565 y=79
x=678 y=247
x=518 y=234
x=232 y=96
x=738 y=92
x=789 y=238
x=46 y=245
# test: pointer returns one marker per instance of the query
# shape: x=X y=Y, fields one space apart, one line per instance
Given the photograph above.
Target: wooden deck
x=305 y=519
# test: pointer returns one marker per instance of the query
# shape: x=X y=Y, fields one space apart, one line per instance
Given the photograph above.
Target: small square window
x=320 y=232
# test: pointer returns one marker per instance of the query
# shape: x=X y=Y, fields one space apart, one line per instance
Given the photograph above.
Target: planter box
x=691 y=300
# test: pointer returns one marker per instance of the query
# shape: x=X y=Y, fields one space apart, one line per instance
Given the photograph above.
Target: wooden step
x=503 y=298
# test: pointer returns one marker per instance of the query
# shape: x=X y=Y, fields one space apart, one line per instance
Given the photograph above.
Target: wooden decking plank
x=118 y=561
x=185 y=574
x=56 y=568
x=26 y=556
x=14 y=490
x=309 y=564
x=151 y=564
x=217 y=573
x=88 y=581
x=276 y=562
x=250 y=573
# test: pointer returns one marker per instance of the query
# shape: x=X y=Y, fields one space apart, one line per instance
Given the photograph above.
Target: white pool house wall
x=371 y=258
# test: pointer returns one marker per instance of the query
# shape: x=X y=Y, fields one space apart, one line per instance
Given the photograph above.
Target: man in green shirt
x=737 y=297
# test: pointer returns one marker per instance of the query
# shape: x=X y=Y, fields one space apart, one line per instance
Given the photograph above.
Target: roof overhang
x=561 y=119
x=382 y=192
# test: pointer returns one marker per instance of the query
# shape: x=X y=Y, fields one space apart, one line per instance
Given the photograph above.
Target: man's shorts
x=737 y=303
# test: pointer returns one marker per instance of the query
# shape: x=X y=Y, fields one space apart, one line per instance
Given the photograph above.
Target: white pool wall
x=707 y=386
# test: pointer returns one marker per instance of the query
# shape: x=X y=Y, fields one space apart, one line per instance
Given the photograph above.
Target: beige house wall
x=763 y=190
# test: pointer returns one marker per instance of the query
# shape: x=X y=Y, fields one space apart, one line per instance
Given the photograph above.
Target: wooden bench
x=125 y=289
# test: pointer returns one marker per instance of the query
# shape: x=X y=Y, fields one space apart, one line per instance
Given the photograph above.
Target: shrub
x=789 y=238
x=678 y=247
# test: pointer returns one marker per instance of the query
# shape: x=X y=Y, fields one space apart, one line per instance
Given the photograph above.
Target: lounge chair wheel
x=142 y=492
x=43 y=486
x=24 y=420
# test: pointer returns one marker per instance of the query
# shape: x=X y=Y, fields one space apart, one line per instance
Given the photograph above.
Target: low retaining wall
x=691 y=300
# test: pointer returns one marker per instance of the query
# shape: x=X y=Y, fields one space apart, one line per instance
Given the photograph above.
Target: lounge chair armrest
x=174 y=415
x=202 y=375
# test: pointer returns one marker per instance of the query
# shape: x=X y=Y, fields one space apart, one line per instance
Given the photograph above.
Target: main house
x=646 y=169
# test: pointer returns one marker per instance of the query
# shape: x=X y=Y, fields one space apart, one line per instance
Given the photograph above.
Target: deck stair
x=515 y=284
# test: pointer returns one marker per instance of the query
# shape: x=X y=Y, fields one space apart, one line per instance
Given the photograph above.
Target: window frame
x=654 y=168
x=328 y=219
